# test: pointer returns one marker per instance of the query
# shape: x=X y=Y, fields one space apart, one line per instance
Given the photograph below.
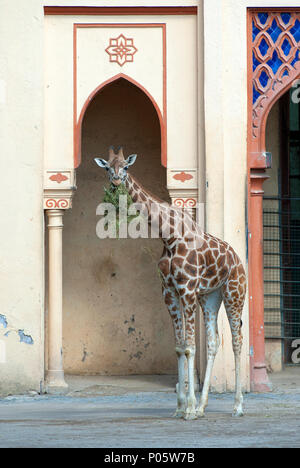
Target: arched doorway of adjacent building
x=115 y=321
x=273 y=67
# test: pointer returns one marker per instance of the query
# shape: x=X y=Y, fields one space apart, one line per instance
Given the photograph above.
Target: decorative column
x=58 y=191
x=259 y=377
x=55 y=377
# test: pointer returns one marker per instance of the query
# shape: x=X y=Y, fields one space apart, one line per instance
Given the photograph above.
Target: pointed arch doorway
x=281 y=217
x=115 y=321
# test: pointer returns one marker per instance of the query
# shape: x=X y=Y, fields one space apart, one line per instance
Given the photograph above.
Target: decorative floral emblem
x=59 y=177
x=121 y=50
x=183 y=177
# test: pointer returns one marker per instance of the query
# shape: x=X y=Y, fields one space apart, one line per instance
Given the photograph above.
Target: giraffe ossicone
x=205 y=271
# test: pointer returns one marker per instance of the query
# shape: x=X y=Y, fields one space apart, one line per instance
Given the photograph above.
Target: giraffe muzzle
x=116 y=181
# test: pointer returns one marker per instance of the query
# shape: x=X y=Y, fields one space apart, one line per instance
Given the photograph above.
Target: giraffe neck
x=161 y=215
x=139 y=194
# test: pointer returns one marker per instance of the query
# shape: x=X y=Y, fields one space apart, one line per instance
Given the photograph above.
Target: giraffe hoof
x=200 y=413
x=238 y=413
x=190 y=415
x=179 y=414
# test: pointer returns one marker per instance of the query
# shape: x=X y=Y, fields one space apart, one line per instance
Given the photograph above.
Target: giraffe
x=196 y=268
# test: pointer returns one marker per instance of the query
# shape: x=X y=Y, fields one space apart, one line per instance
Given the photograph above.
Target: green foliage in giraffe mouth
x=112 y=195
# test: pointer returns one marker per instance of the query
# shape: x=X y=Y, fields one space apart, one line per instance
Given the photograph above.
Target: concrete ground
x=135 y=412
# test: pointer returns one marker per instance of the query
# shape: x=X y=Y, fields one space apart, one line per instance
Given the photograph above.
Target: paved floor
x=136 y=412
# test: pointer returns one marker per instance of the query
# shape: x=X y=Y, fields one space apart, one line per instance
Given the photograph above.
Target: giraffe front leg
x=181 y=395
x=190 y=305
x=190 y=412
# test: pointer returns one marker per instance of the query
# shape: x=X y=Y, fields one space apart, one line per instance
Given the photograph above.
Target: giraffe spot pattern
x=209 y=275
x=182 y=250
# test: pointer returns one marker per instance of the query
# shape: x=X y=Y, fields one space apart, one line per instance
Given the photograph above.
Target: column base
x=55 y=382
x=260 y=381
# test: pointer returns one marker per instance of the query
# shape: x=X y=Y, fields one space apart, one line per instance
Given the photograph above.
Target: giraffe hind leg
x=234 y=302
x=210 y=304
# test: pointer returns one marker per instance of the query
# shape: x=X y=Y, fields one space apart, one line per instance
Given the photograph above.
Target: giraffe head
x=116 y=166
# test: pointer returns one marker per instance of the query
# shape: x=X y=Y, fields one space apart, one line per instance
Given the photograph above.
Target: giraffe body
x=196 y=268
x=209 y=275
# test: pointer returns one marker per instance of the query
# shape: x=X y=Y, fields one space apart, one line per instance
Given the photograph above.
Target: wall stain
x=3 y=321
x=137 y=355
x=85 y=355
x=138 y=339
x=25 y=338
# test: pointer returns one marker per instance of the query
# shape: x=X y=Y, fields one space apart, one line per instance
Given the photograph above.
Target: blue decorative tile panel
x=285 y=17
x=255 y=62
x=256 y=95
x=286 y=47
x=264 y=78
x=274 y=31
x=295 y=31
x=263 y=17
x=263 y=47
x=275 y=62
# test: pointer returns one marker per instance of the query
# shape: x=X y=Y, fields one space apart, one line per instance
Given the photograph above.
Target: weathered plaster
x=21 y=166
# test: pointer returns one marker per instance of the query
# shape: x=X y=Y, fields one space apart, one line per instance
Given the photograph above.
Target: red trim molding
x=119 y=11
x=77 y=122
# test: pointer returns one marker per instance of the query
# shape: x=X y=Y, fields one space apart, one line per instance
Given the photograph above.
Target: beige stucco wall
x=115 y=320
x=21 y=234
x=225 y=91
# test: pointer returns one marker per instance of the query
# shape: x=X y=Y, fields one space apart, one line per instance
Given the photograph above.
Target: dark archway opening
x=282 y=233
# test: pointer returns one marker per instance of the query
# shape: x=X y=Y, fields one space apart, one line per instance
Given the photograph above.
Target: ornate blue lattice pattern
x=274 y=30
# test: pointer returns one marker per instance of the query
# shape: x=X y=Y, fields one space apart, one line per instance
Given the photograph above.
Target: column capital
x=55 y=218
x=184 y=198
x=59 y=187
x=182 y=185
x=257 y=178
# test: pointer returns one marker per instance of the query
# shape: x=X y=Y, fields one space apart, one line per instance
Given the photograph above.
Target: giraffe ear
x=131 y=159
x=101 y=162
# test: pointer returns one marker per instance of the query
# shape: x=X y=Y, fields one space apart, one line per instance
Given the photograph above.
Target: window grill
x=281 y=219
